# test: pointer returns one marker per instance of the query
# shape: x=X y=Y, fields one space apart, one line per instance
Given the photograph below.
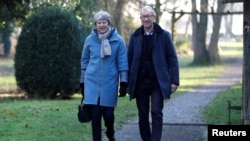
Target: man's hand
x=123 y=89
x=173 y=88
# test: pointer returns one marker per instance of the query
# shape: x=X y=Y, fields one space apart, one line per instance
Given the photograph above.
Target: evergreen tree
x=48 y=52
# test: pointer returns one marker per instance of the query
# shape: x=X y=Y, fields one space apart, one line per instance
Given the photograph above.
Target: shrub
x=48 y=52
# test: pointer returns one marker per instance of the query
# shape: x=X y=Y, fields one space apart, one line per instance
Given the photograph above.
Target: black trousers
x=97 y=112
x=149 y=97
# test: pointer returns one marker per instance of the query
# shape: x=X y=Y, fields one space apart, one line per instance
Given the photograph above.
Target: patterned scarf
x=105 y=46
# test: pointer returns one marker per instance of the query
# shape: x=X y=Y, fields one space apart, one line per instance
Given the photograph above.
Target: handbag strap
x=82 y=100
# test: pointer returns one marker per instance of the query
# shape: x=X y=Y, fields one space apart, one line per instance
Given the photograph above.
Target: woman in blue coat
x=103 y=67
x=153 y=72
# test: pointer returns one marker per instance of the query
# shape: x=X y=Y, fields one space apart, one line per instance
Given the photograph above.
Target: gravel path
x=182 y=119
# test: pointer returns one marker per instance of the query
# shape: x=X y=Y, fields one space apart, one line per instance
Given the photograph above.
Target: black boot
x=110 y=136
x=112 y=139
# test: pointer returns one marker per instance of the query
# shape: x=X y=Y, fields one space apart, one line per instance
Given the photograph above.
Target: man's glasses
x=146 y=16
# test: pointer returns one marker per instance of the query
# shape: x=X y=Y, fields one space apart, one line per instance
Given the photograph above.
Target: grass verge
x=217 y=111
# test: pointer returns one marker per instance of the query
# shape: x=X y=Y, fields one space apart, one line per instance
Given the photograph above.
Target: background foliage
x=48 y=53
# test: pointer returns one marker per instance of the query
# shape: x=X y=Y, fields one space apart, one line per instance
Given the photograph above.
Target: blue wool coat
x=101 y=77
x=164 y=59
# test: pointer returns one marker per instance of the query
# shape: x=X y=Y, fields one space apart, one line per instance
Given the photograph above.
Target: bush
x=48 y=52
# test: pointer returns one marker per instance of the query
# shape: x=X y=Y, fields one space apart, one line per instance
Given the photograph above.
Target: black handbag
x=83 y=113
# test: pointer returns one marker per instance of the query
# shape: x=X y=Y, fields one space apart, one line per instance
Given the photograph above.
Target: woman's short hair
x=102 y=15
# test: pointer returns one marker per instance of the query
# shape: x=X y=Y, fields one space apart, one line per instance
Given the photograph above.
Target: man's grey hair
x=102 y=15
x=149 y=9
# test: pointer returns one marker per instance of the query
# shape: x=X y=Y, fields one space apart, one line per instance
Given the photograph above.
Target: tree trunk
x=118 y=15
x=199 y=32
x=158 y=10
x=194 y=27
x=213 y=52
x=228 y=26
x=106 y=5
x=6 y=34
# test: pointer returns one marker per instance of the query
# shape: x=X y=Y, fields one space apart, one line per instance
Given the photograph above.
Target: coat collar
x=113 y=35
x=140 y=30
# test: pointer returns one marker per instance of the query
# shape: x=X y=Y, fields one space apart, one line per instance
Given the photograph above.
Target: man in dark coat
x=153 y=72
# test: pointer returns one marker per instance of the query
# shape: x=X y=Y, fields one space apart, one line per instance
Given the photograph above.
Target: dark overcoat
x=164 y=59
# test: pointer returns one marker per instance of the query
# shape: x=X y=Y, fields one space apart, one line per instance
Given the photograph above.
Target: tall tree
x=158 y=10
x=11 y=12
x=117 y=16
x=199 y=32
x=213 y=53
x=229 y=22
x=115 y=8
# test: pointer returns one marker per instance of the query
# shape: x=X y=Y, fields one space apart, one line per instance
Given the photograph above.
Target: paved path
x=182 y=119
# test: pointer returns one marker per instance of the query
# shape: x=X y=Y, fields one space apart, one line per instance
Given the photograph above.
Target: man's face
x=147 y=19
x=102 y=26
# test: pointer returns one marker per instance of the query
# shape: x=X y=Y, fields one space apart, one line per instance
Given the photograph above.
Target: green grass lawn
x=217 y=112
x=56 y=120
x=51 y=120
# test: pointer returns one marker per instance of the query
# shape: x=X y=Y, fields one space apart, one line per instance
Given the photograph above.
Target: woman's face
x=102 y=26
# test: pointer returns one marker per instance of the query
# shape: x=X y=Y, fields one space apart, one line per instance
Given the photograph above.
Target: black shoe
x=110 y=135
x=112 y=139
